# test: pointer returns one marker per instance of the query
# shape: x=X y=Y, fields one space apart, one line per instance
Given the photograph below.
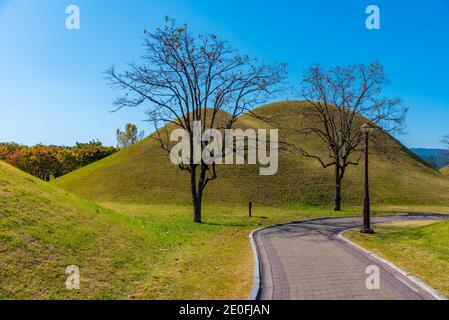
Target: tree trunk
x=337 y=201
x=199 y=197
x=197 y=210
x=196 y=197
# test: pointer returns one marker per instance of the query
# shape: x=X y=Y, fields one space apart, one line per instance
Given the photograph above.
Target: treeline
x=46 y=162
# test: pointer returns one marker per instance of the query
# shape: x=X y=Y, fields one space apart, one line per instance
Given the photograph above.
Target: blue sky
x=51 y=85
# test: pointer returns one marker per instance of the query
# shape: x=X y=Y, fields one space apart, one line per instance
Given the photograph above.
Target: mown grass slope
x=43 y=230
x=143 y=173
x=421 y=248
x=120 y=255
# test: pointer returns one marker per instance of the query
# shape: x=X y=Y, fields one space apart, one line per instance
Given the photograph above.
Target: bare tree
x=187 y=78
x=339 y=101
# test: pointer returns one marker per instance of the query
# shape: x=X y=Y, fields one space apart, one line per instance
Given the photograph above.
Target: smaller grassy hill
x=43 y=230
x=445 y=171
x=122 y=252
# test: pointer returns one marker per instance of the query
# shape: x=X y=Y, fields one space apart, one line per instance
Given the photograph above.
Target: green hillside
x=143 y=173
x=43 y=230
x=120 y=255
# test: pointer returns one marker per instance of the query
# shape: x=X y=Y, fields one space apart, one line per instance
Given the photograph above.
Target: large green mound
x=43 y=230
x=143 y=173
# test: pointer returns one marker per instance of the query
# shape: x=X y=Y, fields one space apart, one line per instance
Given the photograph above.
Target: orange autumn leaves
x=46 y=162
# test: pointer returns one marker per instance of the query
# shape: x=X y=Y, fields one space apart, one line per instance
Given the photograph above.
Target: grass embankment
x=43 y=230
x=147 y=252
x=421 y=248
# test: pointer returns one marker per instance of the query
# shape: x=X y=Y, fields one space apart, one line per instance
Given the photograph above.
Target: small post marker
x=250 y=209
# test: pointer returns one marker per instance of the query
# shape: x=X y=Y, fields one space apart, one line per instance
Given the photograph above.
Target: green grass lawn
x=212 y=260
x=421 y=248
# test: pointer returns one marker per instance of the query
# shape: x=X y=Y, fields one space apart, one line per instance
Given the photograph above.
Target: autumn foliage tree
x=45 y=162
x=11 y=153
x=41 y=161
x=339 y=101
x=83 y=154
x=186 y=78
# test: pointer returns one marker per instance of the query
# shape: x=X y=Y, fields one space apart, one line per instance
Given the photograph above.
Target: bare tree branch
x=338 y=101
x=186 y=78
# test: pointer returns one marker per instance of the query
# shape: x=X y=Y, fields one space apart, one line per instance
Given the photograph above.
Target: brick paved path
x=307 y=260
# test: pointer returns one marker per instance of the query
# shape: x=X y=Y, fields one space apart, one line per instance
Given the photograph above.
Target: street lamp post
x=366 y=128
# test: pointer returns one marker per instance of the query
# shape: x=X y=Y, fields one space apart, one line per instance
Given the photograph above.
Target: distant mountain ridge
x=437 y=157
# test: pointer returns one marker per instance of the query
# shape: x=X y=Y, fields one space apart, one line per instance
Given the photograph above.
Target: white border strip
x=256 y=278
x=434 y=293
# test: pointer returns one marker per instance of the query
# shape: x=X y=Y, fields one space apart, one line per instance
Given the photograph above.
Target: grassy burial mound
x=142 y=173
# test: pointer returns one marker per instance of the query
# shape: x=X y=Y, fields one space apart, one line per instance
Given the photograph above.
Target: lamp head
x=367 y=127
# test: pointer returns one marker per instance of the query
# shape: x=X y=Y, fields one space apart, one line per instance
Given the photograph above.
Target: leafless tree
x=339 y=101
x=186 y=78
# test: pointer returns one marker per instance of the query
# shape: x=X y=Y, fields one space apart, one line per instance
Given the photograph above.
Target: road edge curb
x=256 y=273
x=421 y=284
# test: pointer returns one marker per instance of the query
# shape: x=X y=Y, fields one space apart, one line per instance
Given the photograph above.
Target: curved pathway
x=307 y=260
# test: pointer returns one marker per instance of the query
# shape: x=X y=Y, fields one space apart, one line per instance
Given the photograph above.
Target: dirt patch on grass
x=4 y=193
